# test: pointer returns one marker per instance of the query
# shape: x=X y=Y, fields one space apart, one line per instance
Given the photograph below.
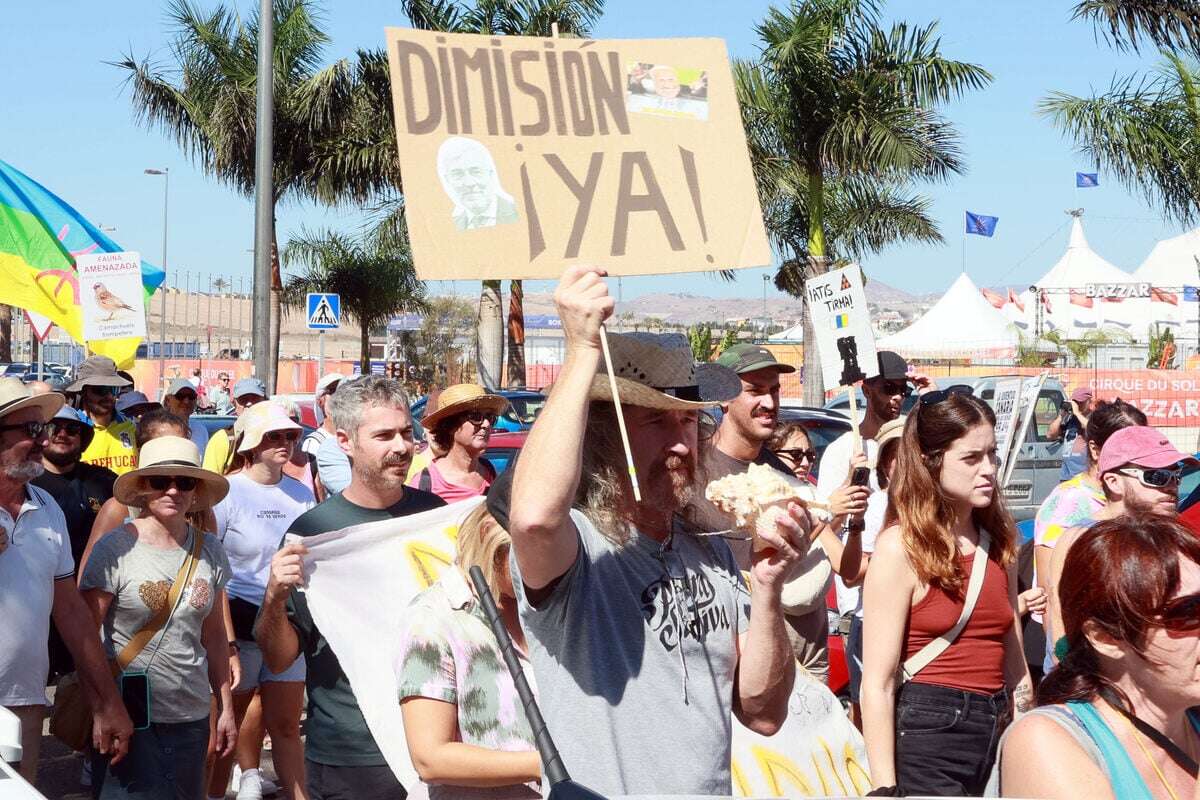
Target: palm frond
x=1168 y=24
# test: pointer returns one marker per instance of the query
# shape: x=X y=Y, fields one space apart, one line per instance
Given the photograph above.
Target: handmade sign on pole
x=1006 y=404
x=521 y=154
x=842 y=324
x=110 y=296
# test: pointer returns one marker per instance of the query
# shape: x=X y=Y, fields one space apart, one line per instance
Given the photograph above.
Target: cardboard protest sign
x=842 y=323
x=1029 y=395
x=1006 y=403
x=111 y=296
x=350 y=570
x=520 y=154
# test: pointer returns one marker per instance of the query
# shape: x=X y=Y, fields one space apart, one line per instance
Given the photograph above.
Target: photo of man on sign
x=468 y=175
x=660 y=89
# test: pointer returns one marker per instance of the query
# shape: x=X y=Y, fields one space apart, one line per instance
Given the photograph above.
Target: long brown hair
x=916 y=502
x=1117 y=576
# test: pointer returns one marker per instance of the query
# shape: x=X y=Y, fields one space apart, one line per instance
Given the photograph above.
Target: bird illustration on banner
x=40 y=237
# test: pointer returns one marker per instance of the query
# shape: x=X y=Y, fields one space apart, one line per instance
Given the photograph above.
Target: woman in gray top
x=128 y=584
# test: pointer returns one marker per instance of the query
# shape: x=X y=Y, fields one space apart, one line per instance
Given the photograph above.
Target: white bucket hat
x=15 y=395
x=175 y=456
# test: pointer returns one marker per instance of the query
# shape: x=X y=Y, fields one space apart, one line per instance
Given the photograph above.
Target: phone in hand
x=135 y=694
x=860 y=476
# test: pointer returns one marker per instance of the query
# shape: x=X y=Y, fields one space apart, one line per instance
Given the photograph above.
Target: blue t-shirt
x=333 y=466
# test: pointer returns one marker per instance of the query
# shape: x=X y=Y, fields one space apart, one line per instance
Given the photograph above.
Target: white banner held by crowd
x=361 y=580
x=841 y=321
x=111 y=296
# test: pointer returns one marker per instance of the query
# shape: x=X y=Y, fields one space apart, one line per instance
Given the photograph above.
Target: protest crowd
x=648 y=622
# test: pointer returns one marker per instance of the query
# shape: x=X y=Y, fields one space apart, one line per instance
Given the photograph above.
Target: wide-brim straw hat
x=174 y=456
x=658 y=370
x=97 y=371
x=463 y=397
x=15 y=395
x=257 y=421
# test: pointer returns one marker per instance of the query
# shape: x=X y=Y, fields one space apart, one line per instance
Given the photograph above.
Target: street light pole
x=162 y=290
x=766 y=280
x=264 y=193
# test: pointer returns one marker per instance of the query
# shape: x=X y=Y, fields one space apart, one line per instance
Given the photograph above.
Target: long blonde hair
x=483 y=543
x=916 y=501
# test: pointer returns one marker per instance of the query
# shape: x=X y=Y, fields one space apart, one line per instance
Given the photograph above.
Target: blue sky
x=69 y=124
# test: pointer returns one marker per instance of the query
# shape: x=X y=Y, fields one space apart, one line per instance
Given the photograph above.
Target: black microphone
x=561 y=785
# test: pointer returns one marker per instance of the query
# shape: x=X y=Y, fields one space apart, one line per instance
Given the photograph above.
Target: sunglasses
x=797 y=454
x=940 y=395
x=103 y=391
x=32 y=430
x=897 y=387
x=476 y=418
x=279 y=437
x=54 y=427
x=1159 y=478
x=1182 y=613
x=160 y=483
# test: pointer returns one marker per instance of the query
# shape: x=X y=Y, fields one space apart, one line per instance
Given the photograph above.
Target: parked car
x=523 y=407
x=57 y=380
x=16 y=370
x=503 y=447
x=1039 y=458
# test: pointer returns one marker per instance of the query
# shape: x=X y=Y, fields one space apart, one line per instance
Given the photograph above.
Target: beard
x=378 y=477
x=62 y=460
x=25 y=471
x=675 y=480
x=1135 y=506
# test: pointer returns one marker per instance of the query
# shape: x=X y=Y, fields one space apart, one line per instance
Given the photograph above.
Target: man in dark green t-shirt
x=374 y=427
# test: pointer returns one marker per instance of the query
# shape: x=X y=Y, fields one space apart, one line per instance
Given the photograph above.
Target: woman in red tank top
x=937 y=733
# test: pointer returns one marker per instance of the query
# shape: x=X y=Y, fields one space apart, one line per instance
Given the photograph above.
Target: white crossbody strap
x=925 y=656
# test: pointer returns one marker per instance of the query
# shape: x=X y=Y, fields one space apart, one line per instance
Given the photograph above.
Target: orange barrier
x=296 y=376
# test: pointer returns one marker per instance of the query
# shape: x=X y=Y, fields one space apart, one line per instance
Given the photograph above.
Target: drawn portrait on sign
x=667 y=91
x=468 y=175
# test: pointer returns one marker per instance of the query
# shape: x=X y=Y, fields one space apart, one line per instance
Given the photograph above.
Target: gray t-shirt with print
x=139 y=577
x=635 y=653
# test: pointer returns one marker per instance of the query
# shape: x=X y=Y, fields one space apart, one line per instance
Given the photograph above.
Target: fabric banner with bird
x=40 y=238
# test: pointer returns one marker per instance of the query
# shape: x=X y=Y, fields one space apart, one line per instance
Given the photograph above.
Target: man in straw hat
x=374 y=427
x=37 y=582
x=460 y=427
x=96 y=387
x=643 y=638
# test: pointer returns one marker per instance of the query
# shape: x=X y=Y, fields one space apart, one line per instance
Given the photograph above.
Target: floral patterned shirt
x=1073 y=503
x=447 y=652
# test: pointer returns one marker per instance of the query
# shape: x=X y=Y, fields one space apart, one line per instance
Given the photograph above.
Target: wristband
x=234 y=647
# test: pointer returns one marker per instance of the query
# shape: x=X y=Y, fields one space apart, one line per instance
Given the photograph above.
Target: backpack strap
x=925 y=656
x=425 y=481
x=156 y=623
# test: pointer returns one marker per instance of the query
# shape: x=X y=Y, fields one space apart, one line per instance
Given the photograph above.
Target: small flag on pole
x=1087 y=180
x=1191 y=294
x=981 y=224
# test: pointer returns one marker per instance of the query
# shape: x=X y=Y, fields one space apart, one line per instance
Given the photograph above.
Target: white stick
x=853 y=395
x=616 y=396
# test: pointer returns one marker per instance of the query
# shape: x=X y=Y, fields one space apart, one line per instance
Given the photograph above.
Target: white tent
x=1080 y=265
x=793 y=335
x=961 y=324
x=1172 y=262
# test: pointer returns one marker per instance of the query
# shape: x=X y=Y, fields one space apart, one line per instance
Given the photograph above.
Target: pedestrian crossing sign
x=324 y=311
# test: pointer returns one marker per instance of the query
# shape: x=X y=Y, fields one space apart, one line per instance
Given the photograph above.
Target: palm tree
x=1168 y=24
x=374 y=281
x=841 y=117
x=511 y=18
x=206 y=102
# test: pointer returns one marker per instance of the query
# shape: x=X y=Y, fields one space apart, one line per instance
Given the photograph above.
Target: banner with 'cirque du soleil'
x=520 y=154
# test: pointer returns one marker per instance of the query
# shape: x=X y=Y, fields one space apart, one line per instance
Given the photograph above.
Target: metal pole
x=320 y=353
x=162 y=302
x=264 y=194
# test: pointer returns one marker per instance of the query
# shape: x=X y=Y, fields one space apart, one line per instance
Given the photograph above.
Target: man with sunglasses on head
x=96 y=387
x=37 y=584
x=247 y=393
x=460 y=427
x=1140 y=472
x=80 y=490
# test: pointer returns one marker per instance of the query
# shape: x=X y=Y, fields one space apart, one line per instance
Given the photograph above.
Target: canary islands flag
x=40 y=236
x=841 y=321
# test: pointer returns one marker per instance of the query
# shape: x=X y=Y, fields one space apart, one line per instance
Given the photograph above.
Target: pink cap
x=1140 y=446
x=1082 y=394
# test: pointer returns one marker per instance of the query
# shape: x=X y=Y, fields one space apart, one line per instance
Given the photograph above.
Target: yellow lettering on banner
x=858 y=775
x=832 y=767
x=775 y=766
x=427 y=563
x=741 y=788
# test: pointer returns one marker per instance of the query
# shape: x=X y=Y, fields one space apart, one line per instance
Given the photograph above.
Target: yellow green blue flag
x=40 y=236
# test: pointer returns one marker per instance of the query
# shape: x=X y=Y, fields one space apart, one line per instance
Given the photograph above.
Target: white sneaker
x=250 y=785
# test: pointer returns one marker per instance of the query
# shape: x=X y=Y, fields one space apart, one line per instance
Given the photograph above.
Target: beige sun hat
x=657 y=370
x=15 y=395
x=463 y=397
x=259 y=420
x=175 y=456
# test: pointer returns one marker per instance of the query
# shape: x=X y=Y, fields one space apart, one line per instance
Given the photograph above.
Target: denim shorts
x=255 y=672
x=854 y=653
x=165 y=761
x=946 y=739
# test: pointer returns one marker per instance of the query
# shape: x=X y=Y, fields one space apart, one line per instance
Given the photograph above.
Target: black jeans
x=329 y=782
x=946 y=739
